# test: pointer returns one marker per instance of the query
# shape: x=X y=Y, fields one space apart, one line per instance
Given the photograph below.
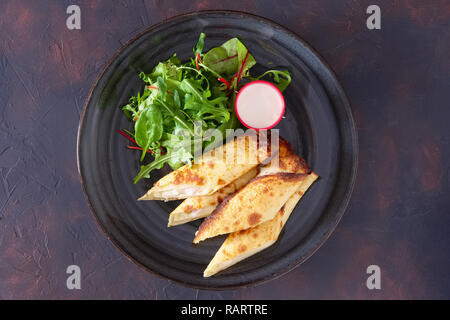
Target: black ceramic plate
x=318 y=122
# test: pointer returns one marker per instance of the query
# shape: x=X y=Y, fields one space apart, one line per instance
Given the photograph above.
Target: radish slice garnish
x=259 y=105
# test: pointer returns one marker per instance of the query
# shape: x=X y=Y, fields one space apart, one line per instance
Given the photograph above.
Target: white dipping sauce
x=259 y=105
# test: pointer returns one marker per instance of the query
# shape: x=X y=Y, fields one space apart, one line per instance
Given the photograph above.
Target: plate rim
x=348 y=110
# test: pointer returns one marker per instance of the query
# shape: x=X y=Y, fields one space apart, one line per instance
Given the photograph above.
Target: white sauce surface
x=259 y=105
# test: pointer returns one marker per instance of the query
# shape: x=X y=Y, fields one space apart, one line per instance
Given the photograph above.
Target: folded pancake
x=245 y=243
x=215 y=170
x=199 y=207
x=257 y=202
x=260 y=199
x=285 y=160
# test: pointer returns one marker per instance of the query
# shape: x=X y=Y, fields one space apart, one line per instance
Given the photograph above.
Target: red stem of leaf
x=163 y=152
x=197 y=59
x=134 y=141
x=138 y=148
x=224 y=81
x=156 y=88
x=127 y=136
x=239 y=73
x=226 y=59
x=242 y=68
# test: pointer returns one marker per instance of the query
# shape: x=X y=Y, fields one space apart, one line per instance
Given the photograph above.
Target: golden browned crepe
x=245 y=243
x=199 y=207
x=260 y=199
x=215 y=170
x=257 y=202
x=286 y=160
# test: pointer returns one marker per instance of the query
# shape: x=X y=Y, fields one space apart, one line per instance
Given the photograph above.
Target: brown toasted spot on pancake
x=188 y=177
x=188 y=209
x=221 y=182
x=194 y=179
x=242 y=248
x=254 y=218
x=178 y=178
x=227 y=228
x=211 y=164
x=255 y=235
x=284 y=176
x=271 y=194
x=220 y=199
x=300 y=193
x=282 y=210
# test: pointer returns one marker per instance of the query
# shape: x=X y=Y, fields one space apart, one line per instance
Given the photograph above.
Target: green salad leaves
x=182 y=101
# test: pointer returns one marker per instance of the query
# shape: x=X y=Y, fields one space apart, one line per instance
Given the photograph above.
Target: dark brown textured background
x=397 y=80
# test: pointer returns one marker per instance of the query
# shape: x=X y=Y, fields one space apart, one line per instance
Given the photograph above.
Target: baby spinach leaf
x=148 y=128
x=162 y=87
x=176 y=99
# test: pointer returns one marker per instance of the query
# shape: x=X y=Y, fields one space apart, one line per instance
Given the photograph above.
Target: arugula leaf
x=193 y=87
x=180 y=148
x=130 y=111
x=177 y=158
x=167 y=70
x=158 y=163
x=197 y=100
x=146 y=78
x=200 y=44
x=176 y=115
x=282 y=79
x=200 y=109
